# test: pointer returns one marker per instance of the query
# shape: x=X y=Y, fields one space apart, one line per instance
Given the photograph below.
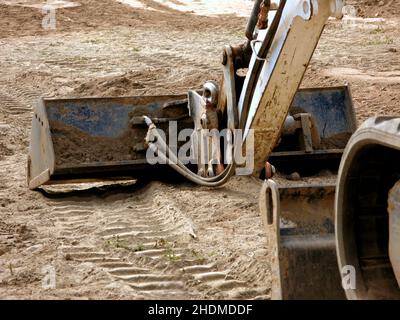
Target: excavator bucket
x=92 y=139
x=96 y=138
x=300 y=228
x=318 y=143
x=299 y=219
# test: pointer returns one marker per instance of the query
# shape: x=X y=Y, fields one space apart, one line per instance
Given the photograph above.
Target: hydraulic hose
x=253 y=19
x=266 y=45
x=157 y=144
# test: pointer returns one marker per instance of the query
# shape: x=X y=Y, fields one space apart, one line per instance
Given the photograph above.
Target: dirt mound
x=73 y=146
x=154 y=81
x=338 y=141
x=122 y=85
x=377 y=8
x=21 y=21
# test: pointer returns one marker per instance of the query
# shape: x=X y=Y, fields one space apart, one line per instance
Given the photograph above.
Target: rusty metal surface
x=300 y=232
x=262 y=22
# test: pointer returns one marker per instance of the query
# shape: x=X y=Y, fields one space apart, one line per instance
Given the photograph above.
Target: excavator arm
x=277 y=68
x=97 y=138
x=275 y=58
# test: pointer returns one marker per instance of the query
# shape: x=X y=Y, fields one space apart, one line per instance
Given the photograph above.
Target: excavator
x=329 y=239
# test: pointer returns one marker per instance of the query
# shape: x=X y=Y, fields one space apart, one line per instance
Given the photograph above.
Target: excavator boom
x=97 y=138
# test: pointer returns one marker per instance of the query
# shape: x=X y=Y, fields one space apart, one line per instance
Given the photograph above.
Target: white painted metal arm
x=297 y=36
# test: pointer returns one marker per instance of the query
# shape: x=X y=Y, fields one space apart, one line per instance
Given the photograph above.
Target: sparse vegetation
x=196 y=254
x=116 y=242
x=380 y=41
x=169 y=250
x=171 y=256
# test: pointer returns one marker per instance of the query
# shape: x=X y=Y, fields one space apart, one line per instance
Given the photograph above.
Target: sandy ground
x=153 y=240
x=376 y=8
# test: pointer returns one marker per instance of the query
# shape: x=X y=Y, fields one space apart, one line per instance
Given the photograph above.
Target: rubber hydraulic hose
x=253 y=20
x=160 y=147
x=181 y=169
x=254 y=76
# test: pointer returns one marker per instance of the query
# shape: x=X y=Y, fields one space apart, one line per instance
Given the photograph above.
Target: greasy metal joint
x=210 y=93
x=238 y=55
x=263 y=15
x=337 y=8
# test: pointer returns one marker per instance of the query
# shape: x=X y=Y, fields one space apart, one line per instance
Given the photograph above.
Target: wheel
x=394 y=229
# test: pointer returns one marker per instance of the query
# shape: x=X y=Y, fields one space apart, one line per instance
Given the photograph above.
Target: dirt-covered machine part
x=340 y=240
x=278 y=64
x=92 y=139
x=299 y=222
x=314 y=135
x=368 y=212
x=96 y=138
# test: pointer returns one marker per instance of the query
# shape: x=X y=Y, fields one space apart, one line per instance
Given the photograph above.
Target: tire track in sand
x=143 y=241
x=15 y=100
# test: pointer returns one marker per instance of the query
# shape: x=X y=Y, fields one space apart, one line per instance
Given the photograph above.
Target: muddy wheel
x=394 y=229
x=368 y=172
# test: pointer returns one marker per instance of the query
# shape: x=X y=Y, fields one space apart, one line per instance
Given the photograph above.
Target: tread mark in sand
x=153 y=271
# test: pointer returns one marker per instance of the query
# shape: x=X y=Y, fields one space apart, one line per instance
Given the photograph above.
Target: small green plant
x=171 y=256
x=378 y=30
x=162 y=243
x=169 y=253
x=139 y=248
x=380 y=41
x=213 y=253
x=196 y=254
x=120 y=244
